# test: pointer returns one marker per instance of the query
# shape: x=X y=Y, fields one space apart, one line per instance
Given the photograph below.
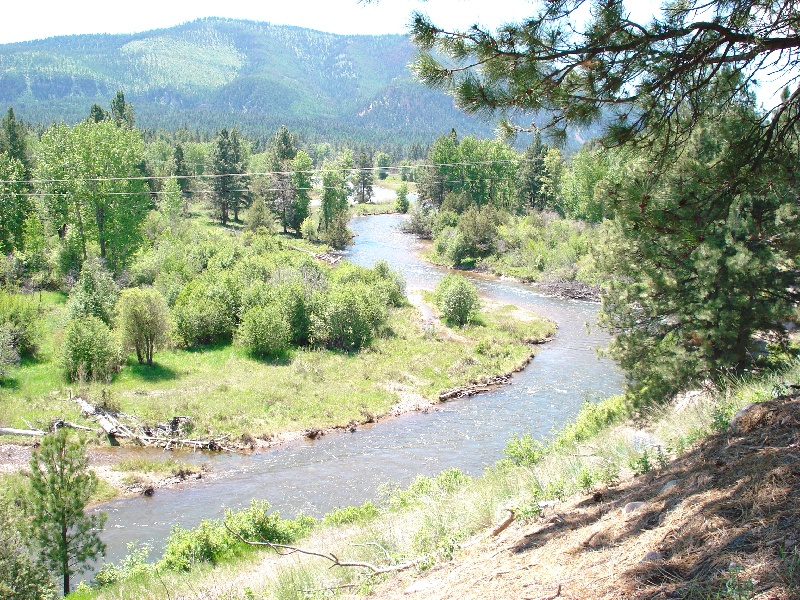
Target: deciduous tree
x=92 y=179
x=143 y=321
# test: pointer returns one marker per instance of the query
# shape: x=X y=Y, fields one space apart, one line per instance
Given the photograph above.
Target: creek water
x=315 y=476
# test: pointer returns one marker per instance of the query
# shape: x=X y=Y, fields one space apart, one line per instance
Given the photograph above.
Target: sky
x=47 y=18
x=64 y=17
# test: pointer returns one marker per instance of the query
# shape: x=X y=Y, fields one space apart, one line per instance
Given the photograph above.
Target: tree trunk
x=65 y=559
x=100 y=215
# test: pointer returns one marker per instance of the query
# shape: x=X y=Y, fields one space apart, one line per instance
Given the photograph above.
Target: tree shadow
x=9 y=383
x=155 y=373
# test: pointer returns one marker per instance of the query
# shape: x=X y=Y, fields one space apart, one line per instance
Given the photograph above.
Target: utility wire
x=262 y=173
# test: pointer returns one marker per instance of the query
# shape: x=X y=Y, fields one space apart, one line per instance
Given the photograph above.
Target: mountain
x=213 y=72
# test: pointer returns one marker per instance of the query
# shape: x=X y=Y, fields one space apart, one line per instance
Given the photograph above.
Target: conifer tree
x=362 y=183
x=180 y=171
x=121 y=111
x=230 y=186
x=61 y=486
x=13 y=141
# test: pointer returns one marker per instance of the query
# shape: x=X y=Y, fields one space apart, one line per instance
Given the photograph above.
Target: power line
x=312 y=172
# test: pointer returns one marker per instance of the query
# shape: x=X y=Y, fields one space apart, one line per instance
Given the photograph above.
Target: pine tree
x=97 y=113
x=180 y=171
x=705 y=255
x=363 y=180
x=61 y=486
x=14 y=141
x=531 y=173
x=230 y=186
x=121 y=111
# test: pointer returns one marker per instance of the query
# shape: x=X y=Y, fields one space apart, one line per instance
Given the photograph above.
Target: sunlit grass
x=225 y=391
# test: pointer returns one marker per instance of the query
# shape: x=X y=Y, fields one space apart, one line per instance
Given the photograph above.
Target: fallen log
x=472 y=390
x=506 y=522
x=30 y=432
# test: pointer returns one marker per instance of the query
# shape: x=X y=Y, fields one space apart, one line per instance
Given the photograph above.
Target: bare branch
x=287 y=550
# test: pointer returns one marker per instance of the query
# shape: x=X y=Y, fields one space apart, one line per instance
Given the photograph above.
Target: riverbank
x=410 y=370
x=698 y=488
x=558 y=287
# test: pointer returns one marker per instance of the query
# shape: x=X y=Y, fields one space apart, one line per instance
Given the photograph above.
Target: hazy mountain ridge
x=216 y=72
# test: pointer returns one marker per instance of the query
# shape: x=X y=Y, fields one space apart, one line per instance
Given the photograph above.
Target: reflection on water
x=348 y=468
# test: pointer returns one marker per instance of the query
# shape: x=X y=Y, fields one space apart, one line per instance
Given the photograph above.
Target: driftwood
x=331 y=259
x=114 y=428
x=31 y=432
x=471 y=390
x=285 y=550
x=508 y=521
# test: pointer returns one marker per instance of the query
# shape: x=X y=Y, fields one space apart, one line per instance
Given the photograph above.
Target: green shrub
x=205 y=310
x=90 y=350
x=19 y=317
x=265 y=331
x=95 y=293
x=401 y=204
x=420 y=222
x=21 y=576
x=211 y=542
x=143 y=321
x=308 y=229
x=445 y=483
x=348 y=317
x=351 y=514
x=524 y=450
x=457 y=299
x=9 y=356
x=390 y=284
x=451 y=246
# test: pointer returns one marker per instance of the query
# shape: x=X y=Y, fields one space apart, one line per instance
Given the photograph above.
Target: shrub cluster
x=90 y=351
x=457 y=299
x=18 y=316
x=212 y=542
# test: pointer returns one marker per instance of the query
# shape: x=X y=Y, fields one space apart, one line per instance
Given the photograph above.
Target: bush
x=390 y=284
x=18 y=315
x=143 y=321
x=265 y=331
x=205 y=311
x=95 y=293
x=401 y=205
x=420 y=222
x=9 y=356
x=90 y=351
x=457 y=299
x=21 y=576
x=351 y=514
x=308 y=229
x=211 y=542
x=337 y=234
x=348 y=317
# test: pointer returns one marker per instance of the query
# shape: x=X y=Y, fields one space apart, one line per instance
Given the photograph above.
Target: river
x=348 y=468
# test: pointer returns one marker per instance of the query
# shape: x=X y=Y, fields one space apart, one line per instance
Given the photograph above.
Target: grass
x=166 y=467
x=430 y=520
x=373 y=208
x=225 y=391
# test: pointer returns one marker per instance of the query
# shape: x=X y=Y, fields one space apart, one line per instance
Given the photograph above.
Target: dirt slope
x=721 y=521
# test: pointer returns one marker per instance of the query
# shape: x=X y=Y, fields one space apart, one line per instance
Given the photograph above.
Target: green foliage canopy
x=90 y=175
x=143 y=320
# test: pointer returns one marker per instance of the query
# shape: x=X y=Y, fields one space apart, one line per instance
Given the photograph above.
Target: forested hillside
x=211 y=73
